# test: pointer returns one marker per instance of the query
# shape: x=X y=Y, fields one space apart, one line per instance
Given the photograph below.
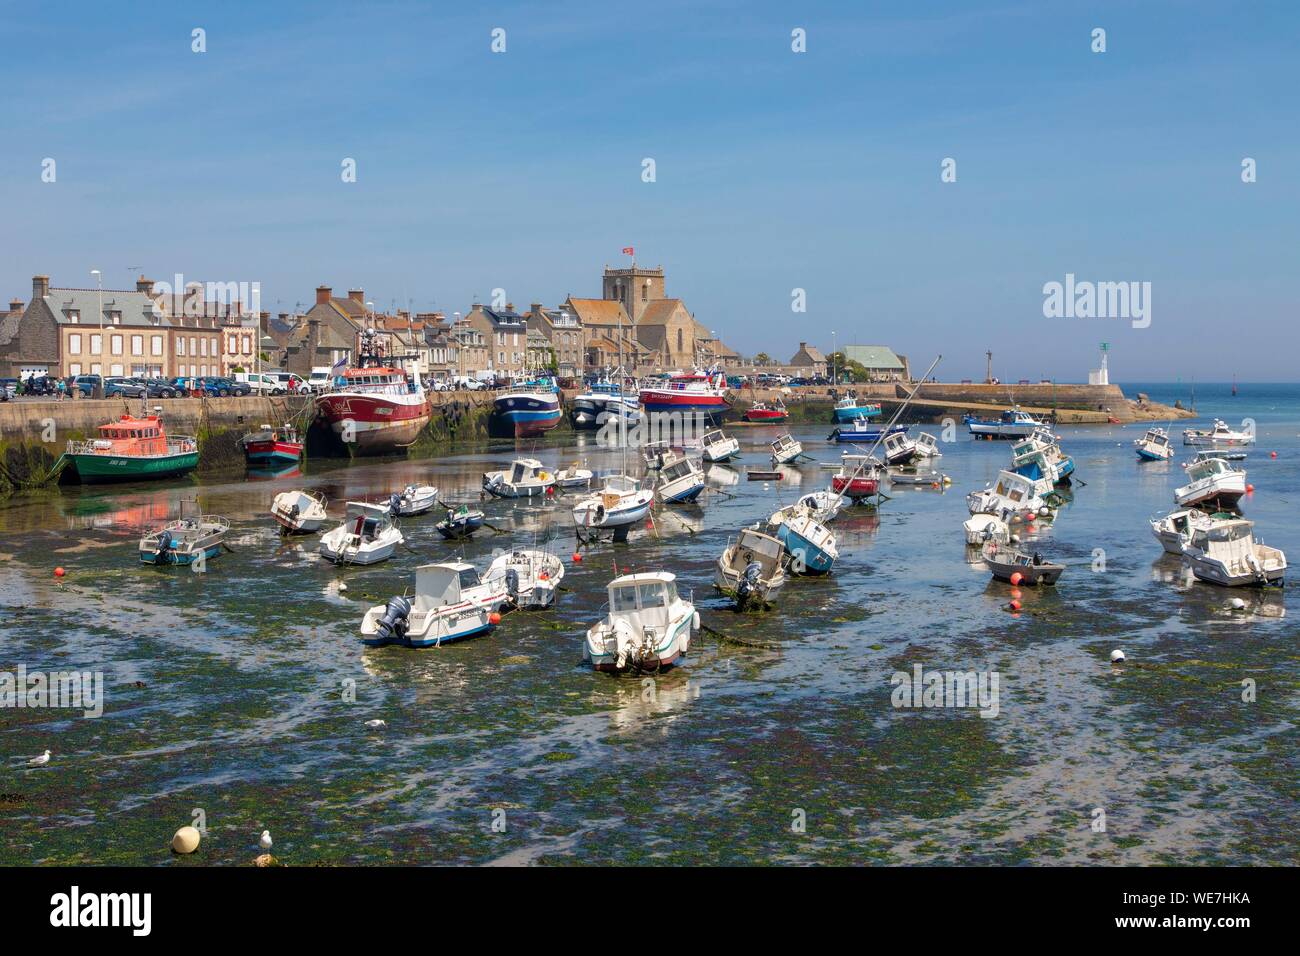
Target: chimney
x=357 y=296
x=323 y=294
x=15 y=305
x=144 y=285
x=40 y=287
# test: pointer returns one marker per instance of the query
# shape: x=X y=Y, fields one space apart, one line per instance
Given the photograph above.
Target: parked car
x=8 y=388
x=188 y=386
x=39 y=385
x=158 y=387
x=321 y=378
x=261 y=383
x=87 y=384
x=226 y=386
x=123 y=388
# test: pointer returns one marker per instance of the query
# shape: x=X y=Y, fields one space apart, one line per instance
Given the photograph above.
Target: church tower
x=636 y=288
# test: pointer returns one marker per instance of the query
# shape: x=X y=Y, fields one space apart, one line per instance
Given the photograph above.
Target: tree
x=846 y=366
x=762 y=358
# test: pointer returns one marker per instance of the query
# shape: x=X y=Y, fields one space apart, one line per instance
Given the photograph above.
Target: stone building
x=506 y=335
x=809 y=359
x=566 y=334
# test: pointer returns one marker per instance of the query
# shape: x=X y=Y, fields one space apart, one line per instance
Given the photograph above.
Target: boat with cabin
x=785 y=449
x=131 y=449
x=898 y=449
x=299 y=512
x=850 y=408
x=1174 y=530
x=858 y=477
x=766 y=413
x=1219 y=435
x=367 y=535
x=372 y=407
x=525 y=478
x=528 y=409
x=810 y=543
x=603 y=400
x=1211 y=482
x=702 y=394
x=751 y=569
x=269 y=447
x=680 y=479
x=718 y=447
x=1011 y=494
x=864 y=432
x=1227 y=553
x=1154 y=445
x=620 y=503
x=1011 y=424
x=647 y=626
x=184 y=541
x=450 y=604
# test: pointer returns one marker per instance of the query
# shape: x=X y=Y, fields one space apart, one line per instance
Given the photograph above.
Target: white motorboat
x=927 y=446
x=647 y=627
x=1211 y=481
x=717 y=446
x=366 y=536
x=751 y=569
x=620 y=503
x=1154 y=445
x=1010 y=494
x=825 y=505
x=530 y=577
x=1012 y=423
x=525 y=478
x=299 y=512
x=981 y=528
x=1174 y=530
x=1029 y=458
x=573 y=477
x=655 y=452
x=680 y=479
x=923 y=479
x=1218 y=436
x=185 y=541
x=413 y=500
x=1227 y=553
x=785 y=450
x=810 y=543
x=898 y=449
x=450 y=604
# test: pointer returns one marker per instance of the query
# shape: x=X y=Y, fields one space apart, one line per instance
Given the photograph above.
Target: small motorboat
x=862 y=431
x=1007 y=562
x=810 y=543
x=858 y=477
x=825 y=505
x=923 y=479
x=680 y=479
x=899 y=450
x=1051 y=447
x=299 y=512
x=767 y=413
x=1226 y=553
x=272 y=446
x=1220 y=435
x=850 y=408
x=184 y=541
x=366 y=536
x=751 y=569
x=1011 y=424
x=654 y=454
x=525 y=478
x=927 y=446
x=1211 y=482
x=460 y=523
x=1154 y=445
x=983 y=528
x=450 y=604
x=647 y=627
x=1011 y=494
x=413 y=500
x=785 y=450
x=620 y=503
x=573 y=477
x=758 y=474
x=1223 y=453
x=716 y=446
x=1174 y=530
x=530 y=578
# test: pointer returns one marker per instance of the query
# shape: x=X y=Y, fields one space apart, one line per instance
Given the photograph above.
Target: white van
x=261 y=383
x=321 y=378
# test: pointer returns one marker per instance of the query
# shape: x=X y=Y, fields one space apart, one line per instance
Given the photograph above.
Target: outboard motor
x=394 y=505
x=392 y=625
x=748 y=583
x=512 y=584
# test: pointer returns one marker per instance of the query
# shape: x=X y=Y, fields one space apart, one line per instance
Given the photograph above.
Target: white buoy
x=1014 y=539
x=186 y=840
x=376 y=723
x=265 y=841
x=1237 y=604
x=40 y=761
x=1117 y=656
x=342 y=587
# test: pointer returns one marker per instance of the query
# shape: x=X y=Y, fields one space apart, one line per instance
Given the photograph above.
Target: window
x=137 y=345
x=180 y=345
x=194 y=347
x=115 y=369
x=156 y=345
x=96 y=344
x=74 y=316
x=74 y=345
x=203 y=347
x=645 y=293
x=680 y=346
x=74 y=368
x=117 y=318
x=115 y=341
x=95 y=368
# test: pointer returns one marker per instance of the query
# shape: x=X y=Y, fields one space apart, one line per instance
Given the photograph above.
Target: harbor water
x=238 y=696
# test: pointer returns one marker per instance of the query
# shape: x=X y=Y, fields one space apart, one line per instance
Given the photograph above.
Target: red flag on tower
x=628 y=251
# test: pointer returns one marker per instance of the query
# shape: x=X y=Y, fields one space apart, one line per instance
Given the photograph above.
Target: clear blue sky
x=775 y=170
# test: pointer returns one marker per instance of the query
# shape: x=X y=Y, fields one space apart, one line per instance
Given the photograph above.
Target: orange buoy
x=577 y=558
x=59 y=572
x=1031 y=517
x=494 y=618
x=1250 y=489
x=1016 y=577
x=1015 y=605
x=544 y=576
x=1272 y=454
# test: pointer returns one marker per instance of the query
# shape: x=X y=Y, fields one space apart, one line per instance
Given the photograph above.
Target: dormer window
x=74 y=316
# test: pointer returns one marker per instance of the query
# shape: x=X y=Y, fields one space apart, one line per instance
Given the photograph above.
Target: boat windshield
x=712 y=437
x=677 y=469
x=623 y=598
x=468 y=578
x=652 y=595
x=517 y=474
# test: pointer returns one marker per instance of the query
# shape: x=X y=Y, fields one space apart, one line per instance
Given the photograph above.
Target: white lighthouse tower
x=1100 y=376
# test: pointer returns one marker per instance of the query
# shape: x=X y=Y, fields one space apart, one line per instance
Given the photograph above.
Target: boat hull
x=765 y=416
x=711 y=408
x=523 y=415
x=94 y=469
x=855 y=488
x=180 y=557
x=272 y=452
x=374 y=424
x=866 y=435
x=849 y=415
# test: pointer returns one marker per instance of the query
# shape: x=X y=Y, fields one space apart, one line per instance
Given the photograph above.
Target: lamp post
x=835 y=363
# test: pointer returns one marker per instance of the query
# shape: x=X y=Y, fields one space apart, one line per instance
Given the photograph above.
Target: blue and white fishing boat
x=620 y=503
x=601 y=401
x=1011 y=424
x=528 y=409
x=1051 y=446
x=184 y=541
x=810 y=543
x=1029 y=459
x=460 y=523
x=647 y=627
x=680 y=479
x=1154 y=445
x=450 y=604
x=864 y=432
x=850 y=408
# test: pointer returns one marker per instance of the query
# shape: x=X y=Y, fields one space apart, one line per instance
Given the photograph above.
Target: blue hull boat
x=860 y=431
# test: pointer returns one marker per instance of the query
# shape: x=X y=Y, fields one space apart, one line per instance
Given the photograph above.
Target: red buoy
x=494 y=618
x=550 y=490
x=1272 y=454
x=1250 y=489
x=1030 y=517
x=1016 y=577
x=577 y=558
x=58 y=572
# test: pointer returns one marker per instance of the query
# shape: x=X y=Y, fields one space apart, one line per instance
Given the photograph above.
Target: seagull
x=265 y=841
x=40 y=761
x=376 y=723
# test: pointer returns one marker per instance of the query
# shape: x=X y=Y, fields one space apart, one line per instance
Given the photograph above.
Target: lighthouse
x=1100 y=376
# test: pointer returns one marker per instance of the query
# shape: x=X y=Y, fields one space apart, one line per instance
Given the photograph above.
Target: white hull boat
x=717 y=447
x=185 y=541
x=680 y=479
x=647 y=627
x=366 y=536
x=785 y=450
x=621 y=503
x=1218 y=436
x=525 y=478
x=982 y=528
x=898 y=449
x=824 y=505
x=751 y=569
x=573 y=477
x=1011 y=494
x=299 y=512
x=530 y=578
x=1174 y=530
x=450 y=604
x=413 y=500
x=1227 y=554
x=1154 y=445
x=1212 y=482
x=927 y=446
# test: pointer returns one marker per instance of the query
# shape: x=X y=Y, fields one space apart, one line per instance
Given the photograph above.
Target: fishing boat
x=1212 y=482
x=573 y=477
x=372 y=407
x=1012 y=423
x=530 y=577
x=717 y=447
x=527 y=409
x=1051 y=448
x=268 y=447
x=858 y=477
x=184 y=541
x=450 y=604
x=785 y=450
x=603 y=400
x=299 y=512
x=619 y=504
x=680 y=479
x=1227 y=553
x=525 y=478
x=1220 y=435
x=1030 y=460
x=696 y=394
x=1174 y=530
x=366 y=536
x=654 y=453
x=810 y=543
x=898 y=449
x=460 y=523
x=131 y=449
x=982 y=528
x=647 y=627
x=825 y=505
x=864 y=432
x=751 y=569
x=1010 y=494
x=850 y=408
x=927 y=446
x=767 y=412
x=1223 y=453
x=412 y=500
x=1154 y=445
x=1006 y=562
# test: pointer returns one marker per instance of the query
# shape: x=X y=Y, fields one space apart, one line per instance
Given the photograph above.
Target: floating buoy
x=577 y=558
x=494 y=618
x=342 y=587
x=1237 y=604
x=1016 y=577
x=1014 y=539
x=550 y=490
x=1250 y=489
x=186 y=840
x=59 y=572
x=376 y=723
x=1030 y=517
x=1014 y=605
x=1117 y=656
x=543 y=576
x=1272 y=454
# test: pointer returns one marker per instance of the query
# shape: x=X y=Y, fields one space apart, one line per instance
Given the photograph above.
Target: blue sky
x=775 y=170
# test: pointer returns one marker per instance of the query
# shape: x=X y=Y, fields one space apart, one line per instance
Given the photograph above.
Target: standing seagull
x=40 y=761
x=265 y=841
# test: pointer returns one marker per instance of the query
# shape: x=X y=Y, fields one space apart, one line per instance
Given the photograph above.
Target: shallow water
x=226 y=689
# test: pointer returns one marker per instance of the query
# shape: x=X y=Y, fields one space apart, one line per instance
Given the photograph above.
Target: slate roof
x=873 y=356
